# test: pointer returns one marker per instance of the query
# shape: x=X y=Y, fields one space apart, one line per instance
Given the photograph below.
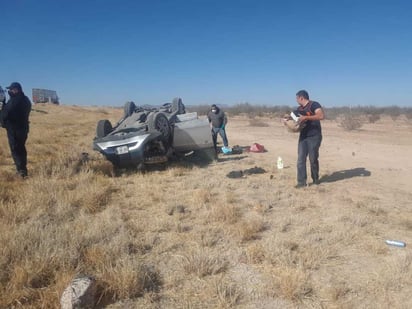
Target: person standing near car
x=15 y=119
x=217 y=120
x=310 y=137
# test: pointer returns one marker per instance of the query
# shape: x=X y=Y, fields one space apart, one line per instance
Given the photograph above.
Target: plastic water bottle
x=395 y=243
x=280 y=163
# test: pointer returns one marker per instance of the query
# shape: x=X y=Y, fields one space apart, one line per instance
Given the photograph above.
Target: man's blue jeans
x=222 y=133
x=308 y=146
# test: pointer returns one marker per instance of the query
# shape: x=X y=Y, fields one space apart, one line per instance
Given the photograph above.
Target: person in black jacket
x=217 y=120
x=15 y=118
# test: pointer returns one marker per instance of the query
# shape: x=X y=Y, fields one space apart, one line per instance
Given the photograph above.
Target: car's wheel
x=104 y=127
x=177 y=105
x=159 y=122
x=129 y=108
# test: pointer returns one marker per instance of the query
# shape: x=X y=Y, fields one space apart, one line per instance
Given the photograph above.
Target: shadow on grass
x=195 y=159
x=346 y=174
x=39 y=111
x=203 y=158
x=227 y=158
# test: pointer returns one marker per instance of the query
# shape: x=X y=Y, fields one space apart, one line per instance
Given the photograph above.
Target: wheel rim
x=162 y=124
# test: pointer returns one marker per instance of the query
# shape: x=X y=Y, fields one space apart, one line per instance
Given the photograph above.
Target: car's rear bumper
x=128 y=151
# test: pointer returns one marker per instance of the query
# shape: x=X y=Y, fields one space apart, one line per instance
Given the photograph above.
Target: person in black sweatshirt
x=15 y=118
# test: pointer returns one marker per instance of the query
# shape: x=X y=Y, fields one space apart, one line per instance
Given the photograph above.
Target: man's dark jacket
x=15 y=113
x=217 y=119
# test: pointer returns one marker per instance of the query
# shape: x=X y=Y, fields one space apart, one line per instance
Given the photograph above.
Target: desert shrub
x=250 y=227
x=242 y=108
x=102 y=111
x=331 y=113
x=349 y=123
x=228 y=293
x=200 y=109
x=229 y=213
x=128 y=278
x=371 y=113
x=203 y=263
x=292 y=284
x=372 y=118
x=257 y=123
x=250 y=110
x=258 y=110
x=393 y=111
x=394 y=116
x=408 y=115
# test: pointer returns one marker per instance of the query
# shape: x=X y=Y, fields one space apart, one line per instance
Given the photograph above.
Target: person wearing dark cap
x=217 y=120
x=15 y=118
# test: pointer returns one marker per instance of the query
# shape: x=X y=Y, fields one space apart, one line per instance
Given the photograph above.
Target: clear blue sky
x=106 y=52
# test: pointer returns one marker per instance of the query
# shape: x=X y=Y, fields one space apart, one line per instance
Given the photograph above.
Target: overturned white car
x=147 y=135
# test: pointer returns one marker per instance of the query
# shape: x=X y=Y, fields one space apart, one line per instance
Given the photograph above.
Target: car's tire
x=104 y=127
x=177 y=105
x=159 y=122
x=129 y=108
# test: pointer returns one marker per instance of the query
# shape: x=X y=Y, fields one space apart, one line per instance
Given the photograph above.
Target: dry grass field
x=187 y=236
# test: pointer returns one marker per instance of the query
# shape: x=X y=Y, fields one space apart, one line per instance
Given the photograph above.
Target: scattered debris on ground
x=249 y=171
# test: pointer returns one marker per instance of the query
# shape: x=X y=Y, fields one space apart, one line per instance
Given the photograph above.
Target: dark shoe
x=316 y=182
x=300 y=185
x=22 y=173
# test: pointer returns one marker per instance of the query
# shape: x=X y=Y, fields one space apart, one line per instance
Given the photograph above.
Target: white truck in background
x=44 y=96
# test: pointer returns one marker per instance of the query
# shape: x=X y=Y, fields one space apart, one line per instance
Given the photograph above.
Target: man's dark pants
x=17 y=140
x=222 y=133
x=308 y=146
